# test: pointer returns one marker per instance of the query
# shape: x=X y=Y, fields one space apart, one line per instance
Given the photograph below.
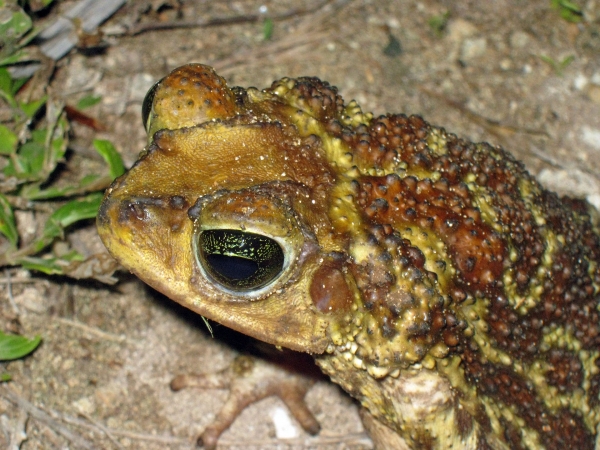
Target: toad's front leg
x=249 y=380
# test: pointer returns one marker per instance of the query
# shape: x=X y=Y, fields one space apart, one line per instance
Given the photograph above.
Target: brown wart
x=329 y=288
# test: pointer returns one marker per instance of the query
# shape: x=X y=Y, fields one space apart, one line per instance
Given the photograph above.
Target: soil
x=509 y=72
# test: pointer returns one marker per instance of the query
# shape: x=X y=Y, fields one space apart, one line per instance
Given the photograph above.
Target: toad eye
x=147 y=103
x=238 y=260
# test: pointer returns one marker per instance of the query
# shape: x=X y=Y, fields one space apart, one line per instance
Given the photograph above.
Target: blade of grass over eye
x=111 y=156
x=7 y=222
x=15 y=347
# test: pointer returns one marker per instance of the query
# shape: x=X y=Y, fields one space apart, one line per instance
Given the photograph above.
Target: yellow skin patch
x=431 y=278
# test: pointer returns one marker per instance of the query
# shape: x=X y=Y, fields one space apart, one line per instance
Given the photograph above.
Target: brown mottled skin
x=432 y=278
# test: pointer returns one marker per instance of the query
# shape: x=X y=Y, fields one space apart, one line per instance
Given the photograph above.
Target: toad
x=432 y=278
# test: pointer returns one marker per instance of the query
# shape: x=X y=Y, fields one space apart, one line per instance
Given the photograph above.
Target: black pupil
x=232 y=267
x=238 y=260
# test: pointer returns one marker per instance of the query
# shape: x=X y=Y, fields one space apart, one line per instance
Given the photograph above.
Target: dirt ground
x=488 y=71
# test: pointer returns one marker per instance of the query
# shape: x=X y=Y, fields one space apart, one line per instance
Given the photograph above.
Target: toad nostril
x=133 y=210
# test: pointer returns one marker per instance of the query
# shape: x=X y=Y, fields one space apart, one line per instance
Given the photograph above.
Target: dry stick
x=348 y=439
x=112 y=432
x=95 y=331
x=18 y=434
x=219 y=21
x=307 y=33
x=239 y=60
x=9 y=292
x=52 y=417
x=107 y=431
x=504 y=131
x=45 y=418
x=563 y=165
x=492 y=126
x=20 y=280
x=353 y=439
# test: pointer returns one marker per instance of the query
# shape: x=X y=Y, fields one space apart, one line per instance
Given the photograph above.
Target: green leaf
x=44 y=265
x=58 y=147
x=30 y=108
x=268 y=29
x=30 y=158
x=71 y=256
x=566 y=61
x=12 y=59
x=17 y=83
x=15 y=347
x=35 y=160
x=88 y=101
x=88 y=180
x=558 y=66
x=439 y=23
x=7 y=88
x=15 y=27
x=568 y=10
x=33 y=191
x=111 y=156
x=5 y=81
x=8 y=226
x=68 y=214
x=8 y=141
x=5 y=376
x=72 y=212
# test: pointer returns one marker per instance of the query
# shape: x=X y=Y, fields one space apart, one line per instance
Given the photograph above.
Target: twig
x=9 y=292
x=322 y=439
x=150 y=437
x=349 y=440
x=107 y=431
x=240 y=60
x=95 y=331
x=94 y=426
x=45 y=418
x=52 y=418
x=493 y=126
x=219 y=21
x=309 y=32
x=17 y=433
x=566 y=165
x=20 y=280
